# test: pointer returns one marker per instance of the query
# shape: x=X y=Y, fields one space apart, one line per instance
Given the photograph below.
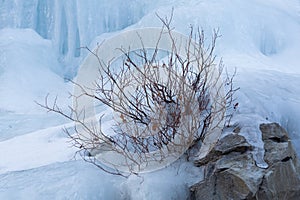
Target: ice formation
x=71 y=24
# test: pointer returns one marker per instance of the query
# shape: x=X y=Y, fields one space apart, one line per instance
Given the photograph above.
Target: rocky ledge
x=231 y=171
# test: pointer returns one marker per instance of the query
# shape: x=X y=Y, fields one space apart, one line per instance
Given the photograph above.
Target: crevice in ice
x=270 y=42
x=77 y=45
x=44 y=18
x=286 y=159
x=63 y=40
x=279 y=139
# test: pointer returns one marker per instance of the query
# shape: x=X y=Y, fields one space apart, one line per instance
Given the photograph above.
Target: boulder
x=231 y=171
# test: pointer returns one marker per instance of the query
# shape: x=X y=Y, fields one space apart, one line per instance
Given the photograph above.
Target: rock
x=273 y=131
x=277 y=144
x=231 y=172
x=230 y=143
x=281 y=182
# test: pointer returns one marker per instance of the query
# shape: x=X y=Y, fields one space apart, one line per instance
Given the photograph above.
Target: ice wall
x=70 y=24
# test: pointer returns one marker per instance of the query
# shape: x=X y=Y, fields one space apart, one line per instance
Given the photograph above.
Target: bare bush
x=161 y=106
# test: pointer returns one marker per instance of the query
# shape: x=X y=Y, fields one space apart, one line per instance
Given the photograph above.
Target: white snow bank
x=28 y=71
x=36 y=149
x=267 y=30
x=172 y=182
x=68 y=180
x=80 y=180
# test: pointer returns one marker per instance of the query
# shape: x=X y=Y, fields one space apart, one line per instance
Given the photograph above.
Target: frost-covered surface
x=39 y=39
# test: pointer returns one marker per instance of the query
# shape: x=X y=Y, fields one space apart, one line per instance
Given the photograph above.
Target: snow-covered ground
x=38 y=42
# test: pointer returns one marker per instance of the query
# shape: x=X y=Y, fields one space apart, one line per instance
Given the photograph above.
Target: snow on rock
x=249 y=129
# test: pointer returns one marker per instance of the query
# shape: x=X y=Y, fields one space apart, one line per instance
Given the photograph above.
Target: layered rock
x=231 y=171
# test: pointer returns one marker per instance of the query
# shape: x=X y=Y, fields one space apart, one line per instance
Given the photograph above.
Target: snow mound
x=28 y=69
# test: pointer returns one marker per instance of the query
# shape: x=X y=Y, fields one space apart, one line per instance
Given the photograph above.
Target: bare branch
x=154 y=102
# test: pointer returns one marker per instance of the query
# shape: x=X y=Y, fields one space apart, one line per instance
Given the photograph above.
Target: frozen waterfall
x=70 y=24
